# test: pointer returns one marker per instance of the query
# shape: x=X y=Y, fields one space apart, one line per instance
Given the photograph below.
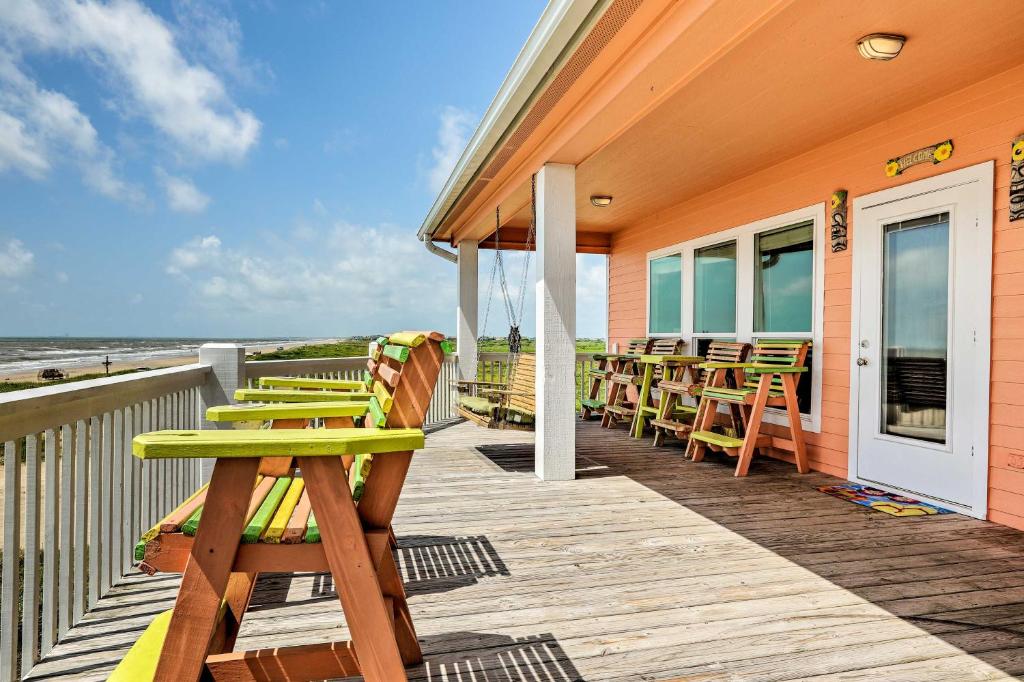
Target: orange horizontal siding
x=982 y=120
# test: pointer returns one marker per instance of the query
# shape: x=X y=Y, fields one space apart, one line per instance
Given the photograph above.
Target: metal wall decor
x=837 y=224
x=936 y=153
x=1017 y=178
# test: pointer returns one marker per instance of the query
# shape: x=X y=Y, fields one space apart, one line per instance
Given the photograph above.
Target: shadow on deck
x=952 y=576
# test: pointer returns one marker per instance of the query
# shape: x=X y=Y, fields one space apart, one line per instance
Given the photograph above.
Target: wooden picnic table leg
x=237 y=597
x=613 y=393
x=376 y=510
x=355 y=577
x=746 y=454
x=796 y=430
x=208 y=570
x=643 y=400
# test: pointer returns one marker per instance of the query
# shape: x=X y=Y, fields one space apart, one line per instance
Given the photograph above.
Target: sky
x=212 y=169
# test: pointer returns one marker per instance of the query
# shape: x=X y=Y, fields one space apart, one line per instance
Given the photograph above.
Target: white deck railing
x=76 y=501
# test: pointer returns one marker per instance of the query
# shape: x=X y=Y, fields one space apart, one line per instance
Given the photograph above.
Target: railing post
x=228 y=363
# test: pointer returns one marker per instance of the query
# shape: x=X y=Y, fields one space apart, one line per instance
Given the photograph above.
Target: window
x=714 y=289
x=783 y=279
x=764 y=280
x=665 y=295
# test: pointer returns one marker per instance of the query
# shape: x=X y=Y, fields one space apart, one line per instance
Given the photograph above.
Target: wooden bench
x=769 y=380
x=626 y=382
x=507 y=405
x=677 y=418
x=598 y=377
x=305 y=520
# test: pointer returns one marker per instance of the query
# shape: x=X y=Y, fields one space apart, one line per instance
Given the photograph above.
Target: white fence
x=75 y=500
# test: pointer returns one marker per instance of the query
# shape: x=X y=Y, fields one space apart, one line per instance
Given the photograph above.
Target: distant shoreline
x=160 y=362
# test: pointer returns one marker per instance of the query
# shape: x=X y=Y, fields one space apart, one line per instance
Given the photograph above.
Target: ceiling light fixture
x=881 y=47
x=600 y=200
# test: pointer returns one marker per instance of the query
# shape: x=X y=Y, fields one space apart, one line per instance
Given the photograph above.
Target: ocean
x=20 y=355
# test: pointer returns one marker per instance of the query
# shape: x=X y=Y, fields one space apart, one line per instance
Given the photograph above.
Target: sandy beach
x=157 y=362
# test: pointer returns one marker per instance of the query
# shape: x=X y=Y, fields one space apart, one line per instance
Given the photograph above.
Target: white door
x=922 y=291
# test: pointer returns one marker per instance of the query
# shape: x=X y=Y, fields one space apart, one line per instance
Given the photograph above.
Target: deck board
x=645 y=567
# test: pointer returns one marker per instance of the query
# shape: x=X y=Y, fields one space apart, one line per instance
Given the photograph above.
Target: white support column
x=466 y=326
x=228 y=362
x=555 y=458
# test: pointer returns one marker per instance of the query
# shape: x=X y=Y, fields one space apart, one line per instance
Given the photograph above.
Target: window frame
x=743 y=235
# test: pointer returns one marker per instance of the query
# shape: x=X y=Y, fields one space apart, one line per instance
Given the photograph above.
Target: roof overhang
x=659 y=103
x=560 y=27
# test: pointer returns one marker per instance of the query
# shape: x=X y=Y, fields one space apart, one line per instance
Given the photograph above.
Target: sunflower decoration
x=892 y=168
x=838 y=197
x=943 y=151
x=1018 y=151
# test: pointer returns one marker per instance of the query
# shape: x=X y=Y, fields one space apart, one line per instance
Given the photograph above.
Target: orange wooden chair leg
x=237 y=597
x=746 y=454
x=355 y=578
x=393 y=588
x=795 y=426
x=208 y=571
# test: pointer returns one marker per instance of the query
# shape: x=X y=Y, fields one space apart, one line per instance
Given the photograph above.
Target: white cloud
x=456 y=125
x=37 y=124
x=213 y=36
x=61 y=277
x=15 y=260
x=197 y=253
x=355 y=279
x=182 y=193
x=19 y=150
x=591 y=296
x=138 y=53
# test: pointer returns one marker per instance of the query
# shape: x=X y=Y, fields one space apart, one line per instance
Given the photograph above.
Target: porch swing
x=508 y=404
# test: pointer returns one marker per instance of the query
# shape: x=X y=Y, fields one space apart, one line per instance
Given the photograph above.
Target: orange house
x=727 y=134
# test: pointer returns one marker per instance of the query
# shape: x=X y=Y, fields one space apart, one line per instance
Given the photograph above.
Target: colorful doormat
x=880 y=500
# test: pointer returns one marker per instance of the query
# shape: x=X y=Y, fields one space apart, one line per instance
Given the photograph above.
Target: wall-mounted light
x=881 y=46
x=600 y=200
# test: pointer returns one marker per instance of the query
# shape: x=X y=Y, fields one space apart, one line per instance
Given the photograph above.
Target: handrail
x=34 y=409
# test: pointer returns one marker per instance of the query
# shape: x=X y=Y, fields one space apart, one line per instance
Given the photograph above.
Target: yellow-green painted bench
x=275 y=527
x=769 y=380
x=274 y=503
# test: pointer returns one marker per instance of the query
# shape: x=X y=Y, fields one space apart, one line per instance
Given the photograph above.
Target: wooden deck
x=647 y=567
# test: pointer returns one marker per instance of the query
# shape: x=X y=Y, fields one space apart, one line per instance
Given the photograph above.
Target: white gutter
x=560 y=22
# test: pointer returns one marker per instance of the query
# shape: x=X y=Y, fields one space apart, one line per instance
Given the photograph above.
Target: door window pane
x=666 y=294
x=915 y=321
x=784 y=279
x=714 y=289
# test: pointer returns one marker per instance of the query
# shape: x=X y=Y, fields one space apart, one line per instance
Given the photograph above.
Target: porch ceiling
x=790 y=83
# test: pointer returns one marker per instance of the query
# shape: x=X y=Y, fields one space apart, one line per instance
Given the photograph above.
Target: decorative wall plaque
x=936 y=153
x=1017 y=179
x=838 y=221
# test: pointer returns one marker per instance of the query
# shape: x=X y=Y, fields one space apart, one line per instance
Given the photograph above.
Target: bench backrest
x=638 y=347
x=670 y=346
x=523 y=386
x=727 y=351
x=781 y=352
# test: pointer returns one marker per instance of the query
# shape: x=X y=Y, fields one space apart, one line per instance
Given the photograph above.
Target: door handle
x=862 y=361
